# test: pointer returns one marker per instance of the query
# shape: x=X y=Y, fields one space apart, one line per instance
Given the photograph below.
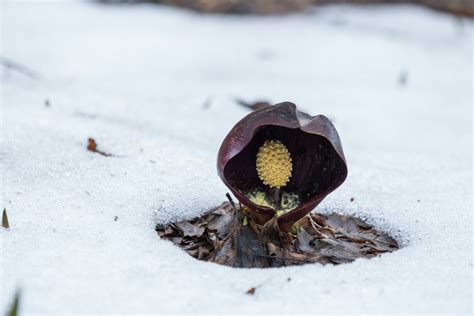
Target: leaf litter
x=92 y=147
x=225 y=235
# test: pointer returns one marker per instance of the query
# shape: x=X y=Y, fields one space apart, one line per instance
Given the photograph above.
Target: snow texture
x=155 y=87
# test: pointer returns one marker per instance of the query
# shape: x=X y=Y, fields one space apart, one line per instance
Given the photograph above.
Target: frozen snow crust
x=155 y=86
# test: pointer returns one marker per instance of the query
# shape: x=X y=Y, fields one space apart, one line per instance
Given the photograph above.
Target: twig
x=284 y=258
x=92 y=147
x=230 y=200
x=257 y=105
x=10 y=64
x=316 y=226
x=313 y=222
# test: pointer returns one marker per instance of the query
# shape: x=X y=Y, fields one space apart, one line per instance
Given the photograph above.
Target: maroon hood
x=319 y=165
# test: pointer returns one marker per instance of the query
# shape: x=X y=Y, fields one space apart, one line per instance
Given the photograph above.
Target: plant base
x=226 y=236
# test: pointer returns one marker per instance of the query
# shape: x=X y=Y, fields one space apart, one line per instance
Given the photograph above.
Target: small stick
x=316 y=226
x=284 y=258
x=92 y=147
x=313 y=222
x=230 y=200
x=253 y=106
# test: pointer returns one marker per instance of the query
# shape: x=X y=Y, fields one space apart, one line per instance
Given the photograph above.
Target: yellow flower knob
x=274 y=164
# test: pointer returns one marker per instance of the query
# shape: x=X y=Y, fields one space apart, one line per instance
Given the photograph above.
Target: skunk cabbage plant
x=280 y=162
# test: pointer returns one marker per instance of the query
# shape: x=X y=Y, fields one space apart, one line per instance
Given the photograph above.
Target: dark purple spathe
x=319 y=166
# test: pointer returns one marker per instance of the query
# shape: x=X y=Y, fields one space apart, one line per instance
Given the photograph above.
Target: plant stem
x=274 y=195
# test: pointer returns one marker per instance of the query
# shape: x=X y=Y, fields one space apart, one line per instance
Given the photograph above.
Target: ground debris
x=279 y=7
x=251 y=291
x=92 y=147
x=255 y=105
x=224 y=237
x=258 y=7
x=5 y=223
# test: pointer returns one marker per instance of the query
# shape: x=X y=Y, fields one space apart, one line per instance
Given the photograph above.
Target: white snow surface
x=138 y=78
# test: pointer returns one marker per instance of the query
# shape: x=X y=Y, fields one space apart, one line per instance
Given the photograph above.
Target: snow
x=136 y=78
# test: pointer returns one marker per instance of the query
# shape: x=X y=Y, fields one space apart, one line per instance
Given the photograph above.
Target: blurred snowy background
x=155 y=86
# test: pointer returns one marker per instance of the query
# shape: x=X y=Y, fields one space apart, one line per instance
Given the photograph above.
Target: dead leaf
x=221 y=223
x=305 y=240
x=249 y=250
x=251 y=291
x=188 y=229
x=221 y=236
x=92 y=147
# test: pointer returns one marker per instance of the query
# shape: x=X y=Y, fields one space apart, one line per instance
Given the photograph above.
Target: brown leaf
x=203 y=253
x=188 y=229
x=224 y=254
x=92 y=147
x=221 y=223
x=305 y=240
x=249 y=250
x=167 y=231
x=251 y=291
